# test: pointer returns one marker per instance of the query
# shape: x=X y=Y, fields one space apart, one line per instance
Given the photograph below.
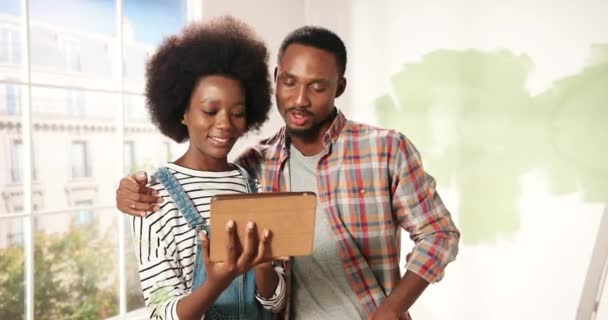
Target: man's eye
x=209 y=112
x=318 y=88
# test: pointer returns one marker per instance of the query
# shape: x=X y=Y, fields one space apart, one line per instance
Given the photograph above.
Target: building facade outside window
x=12 y=99
x=17 y=161
x=129 y=152
x=75 y=91
x=9 y=46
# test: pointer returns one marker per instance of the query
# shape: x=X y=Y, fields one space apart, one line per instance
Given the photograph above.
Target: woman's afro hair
x=221 y=46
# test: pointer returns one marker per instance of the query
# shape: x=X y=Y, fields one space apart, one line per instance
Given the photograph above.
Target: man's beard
x=305 y=134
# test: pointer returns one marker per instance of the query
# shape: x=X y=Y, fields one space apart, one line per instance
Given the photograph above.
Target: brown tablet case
x=290 y=216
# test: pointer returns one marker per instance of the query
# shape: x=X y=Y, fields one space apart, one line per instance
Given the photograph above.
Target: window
x=15 y=236
x=83 y=216
x=80 y=160
x=13 y=102
x=77 y=93
x=75 y=103
x=135 y=109
x=71 y=53
x=15 y=232
x=9 y=46
x=129 y=152
x=17 y=161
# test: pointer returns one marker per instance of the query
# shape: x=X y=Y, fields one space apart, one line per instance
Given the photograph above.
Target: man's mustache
x=300 y=110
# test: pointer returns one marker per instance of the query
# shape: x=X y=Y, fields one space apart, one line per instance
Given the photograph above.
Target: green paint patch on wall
x=475 y=123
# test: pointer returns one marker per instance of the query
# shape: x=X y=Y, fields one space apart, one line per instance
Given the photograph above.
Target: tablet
x=290 y=216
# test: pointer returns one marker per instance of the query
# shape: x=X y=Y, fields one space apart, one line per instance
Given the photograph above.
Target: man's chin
x=302 y=132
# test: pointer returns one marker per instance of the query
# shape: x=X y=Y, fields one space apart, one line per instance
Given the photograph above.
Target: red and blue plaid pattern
x=370 y=182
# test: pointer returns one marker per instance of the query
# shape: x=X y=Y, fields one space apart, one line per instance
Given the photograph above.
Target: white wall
x=527 y=196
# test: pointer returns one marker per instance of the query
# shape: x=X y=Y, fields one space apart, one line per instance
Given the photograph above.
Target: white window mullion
x=194 y=10
x=120 y=137
x=26 y=134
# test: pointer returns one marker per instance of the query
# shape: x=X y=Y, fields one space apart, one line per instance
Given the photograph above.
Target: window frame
x=22 y=82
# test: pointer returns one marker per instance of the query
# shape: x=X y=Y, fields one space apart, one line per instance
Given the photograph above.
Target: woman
x=207 y=85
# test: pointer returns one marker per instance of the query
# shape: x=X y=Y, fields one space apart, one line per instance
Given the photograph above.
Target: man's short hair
x=320 y=38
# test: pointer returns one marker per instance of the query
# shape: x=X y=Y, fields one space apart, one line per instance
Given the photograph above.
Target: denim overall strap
x=180 y=197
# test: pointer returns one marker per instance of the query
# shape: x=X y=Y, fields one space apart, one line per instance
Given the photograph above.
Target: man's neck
x=308 y=147
x=312 y=144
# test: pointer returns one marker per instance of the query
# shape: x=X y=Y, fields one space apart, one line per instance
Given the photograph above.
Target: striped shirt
x=370 y=184
x=166 y=244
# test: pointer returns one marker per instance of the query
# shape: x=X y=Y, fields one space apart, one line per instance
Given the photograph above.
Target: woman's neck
x=196 y=162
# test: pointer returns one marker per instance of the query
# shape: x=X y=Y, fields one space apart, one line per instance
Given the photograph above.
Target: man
x=369 y=182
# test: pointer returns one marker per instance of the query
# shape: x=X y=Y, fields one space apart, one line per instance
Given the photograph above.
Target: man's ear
x=276 y=72
x=341 y=86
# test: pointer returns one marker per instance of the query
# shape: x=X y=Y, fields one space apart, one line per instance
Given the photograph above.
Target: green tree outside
x=75 y=276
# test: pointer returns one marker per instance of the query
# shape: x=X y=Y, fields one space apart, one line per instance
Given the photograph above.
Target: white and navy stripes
x=166 y=244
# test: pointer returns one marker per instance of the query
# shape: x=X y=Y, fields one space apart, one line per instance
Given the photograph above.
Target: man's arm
x=402 y=297
x=251 y=160
x=420 y=211
x=134 y=198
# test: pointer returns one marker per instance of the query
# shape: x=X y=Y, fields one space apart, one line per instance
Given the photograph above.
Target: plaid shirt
x=370 y=182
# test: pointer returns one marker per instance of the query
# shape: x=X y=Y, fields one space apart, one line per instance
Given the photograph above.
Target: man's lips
x=299 y=117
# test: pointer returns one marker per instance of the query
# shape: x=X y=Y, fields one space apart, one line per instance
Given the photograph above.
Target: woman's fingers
x=251 y=246
x=255 y=249
x=204 y=245
x=263 y=248
x=232 y=245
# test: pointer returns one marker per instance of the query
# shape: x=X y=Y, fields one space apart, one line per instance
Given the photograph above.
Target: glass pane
x=74 y=137
x=80 y=163
x=146 y=24
x=129 y=152
x=12 y=96
x=10 y=40
x=73 y=49
x=135 y=298
x=12 y=269
x=76 y=265
x=135 y=111
x=145 y=147
x=16 y=161
x=11 y=149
